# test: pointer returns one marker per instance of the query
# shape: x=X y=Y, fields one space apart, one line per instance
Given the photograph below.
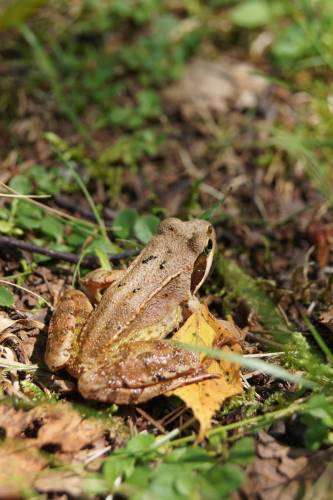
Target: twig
x=23 y=196
x=247 y=423
x=72 y=206
x=151 y=420
x=89 y=261
x=97 y=454
x=39 y=297
x=99 y=220
x=56 y=212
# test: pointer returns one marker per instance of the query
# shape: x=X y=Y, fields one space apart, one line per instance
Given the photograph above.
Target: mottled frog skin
x=117 y=349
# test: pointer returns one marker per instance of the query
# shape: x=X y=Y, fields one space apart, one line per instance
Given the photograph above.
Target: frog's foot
x=69 y=317
x=141 y=371
x=99 y=279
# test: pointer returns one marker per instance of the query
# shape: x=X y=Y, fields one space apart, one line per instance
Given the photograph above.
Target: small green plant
x=129 y=224
x=6 y=297
x=50 y=228
x=318 y=421
x=149 y=468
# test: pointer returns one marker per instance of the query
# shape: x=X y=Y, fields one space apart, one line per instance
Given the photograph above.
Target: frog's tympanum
x=117 y=349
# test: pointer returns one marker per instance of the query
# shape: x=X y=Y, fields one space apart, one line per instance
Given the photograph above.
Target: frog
x=113 y=335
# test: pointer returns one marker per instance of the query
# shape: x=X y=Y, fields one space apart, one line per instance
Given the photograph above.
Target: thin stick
x=151 y=420
x=5 y=195
x=91 y=202
x=80 y=259
x=58 y=213
x=96 y=454
x=71 y=205
x=259 y=420
x=89 y=261
x=5 y=282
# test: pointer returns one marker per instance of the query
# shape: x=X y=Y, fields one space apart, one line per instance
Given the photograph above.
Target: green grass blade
x=46 y=66
x=320 y=341
x=250 y=363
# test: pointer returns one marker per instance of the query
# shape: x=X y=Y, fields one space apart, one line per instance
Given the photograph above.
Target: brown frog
x=116 y=350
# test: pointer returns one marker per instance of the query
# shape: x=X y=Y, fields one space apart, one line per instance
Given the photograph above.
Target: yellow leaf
x=205 y=398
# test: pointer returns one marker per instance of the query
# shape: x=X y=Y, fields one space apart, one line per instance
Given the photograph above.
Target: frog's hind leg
x=140 y=371
x=69 y=317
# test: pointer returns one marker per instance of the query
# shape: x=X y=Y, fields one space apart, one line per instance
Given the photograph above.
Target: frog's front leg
x=139 y=371
x=69 y=317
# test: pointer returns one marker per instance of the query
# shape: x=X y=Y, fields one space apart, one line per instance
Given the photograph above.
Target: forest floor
x=118 y=116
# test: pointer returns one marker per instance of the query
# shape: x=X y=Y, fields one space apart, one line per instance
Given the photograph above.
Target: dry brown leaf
x=22 y=335
x=68 y=482
x=5 y=321
x=281 y=472
x=205 y=398
x=58 y=428
x=19 y=466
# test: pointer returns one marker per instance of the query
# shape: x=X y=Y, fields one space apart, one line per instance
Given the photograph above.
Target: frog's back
x=156 y=282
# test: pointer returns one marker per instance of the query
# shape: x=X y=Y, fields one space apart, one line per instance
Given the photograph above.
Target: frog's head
x=199 y=240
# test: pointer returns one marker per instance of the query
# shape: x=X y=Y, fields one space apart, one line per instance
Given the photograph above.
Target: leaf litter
x=56 y=429
x=281 y=472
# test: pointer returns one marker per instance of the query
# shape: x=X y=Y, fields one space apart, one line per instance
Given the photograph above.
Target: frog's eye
x=209 y=246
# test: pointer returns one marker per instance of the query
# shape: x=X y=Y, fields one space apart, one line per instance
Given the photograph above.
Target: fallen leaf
x=22 y=335
x=62 y=481
x=281 y=472
x=327 y=318
x=58 y=428
x=206 y=397
x=19 y=466
x=5 y=321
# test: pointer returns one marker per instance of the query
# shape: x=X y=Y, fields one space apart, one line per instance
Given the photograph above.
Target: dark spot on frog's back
x=162 y=264
x=151 y=257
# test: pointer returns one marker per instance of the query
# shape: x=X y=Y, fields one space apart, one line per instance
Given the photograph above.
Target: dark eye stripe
x=198 y=273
